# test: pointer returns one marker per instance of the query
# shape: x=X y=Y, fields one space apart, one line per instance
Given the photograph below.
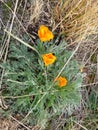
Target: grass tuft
x=76 y=19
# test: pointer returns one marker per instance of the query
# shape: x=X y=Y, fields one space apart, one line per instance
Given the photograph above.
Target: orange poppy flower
x=45 y=34
x=48 y=58
x=61 y=81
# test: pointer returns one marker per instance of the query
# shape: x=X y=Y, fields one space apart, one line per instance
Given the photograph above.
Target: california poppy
x=48 y=58
x=61 y=81
x=45 y=34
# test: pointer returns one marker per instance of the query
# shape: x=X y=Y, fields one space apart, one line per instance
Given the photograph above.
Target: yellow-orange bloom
x=48 y=59
x=45 y=34
x=61 y=81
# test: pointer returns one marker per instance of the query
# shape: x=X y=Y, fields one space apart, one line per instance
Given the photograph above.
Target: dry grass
x=36 y=10
x=76 y=19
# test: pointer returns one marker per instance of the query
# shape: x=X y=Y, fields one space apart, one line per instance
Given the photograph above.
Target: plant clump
x=39 y=85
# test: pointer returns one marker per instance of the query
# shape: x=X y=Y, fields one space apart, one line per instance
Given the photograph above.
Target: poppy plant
x=45 y=34
x=61 y=81
x=48 y=59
